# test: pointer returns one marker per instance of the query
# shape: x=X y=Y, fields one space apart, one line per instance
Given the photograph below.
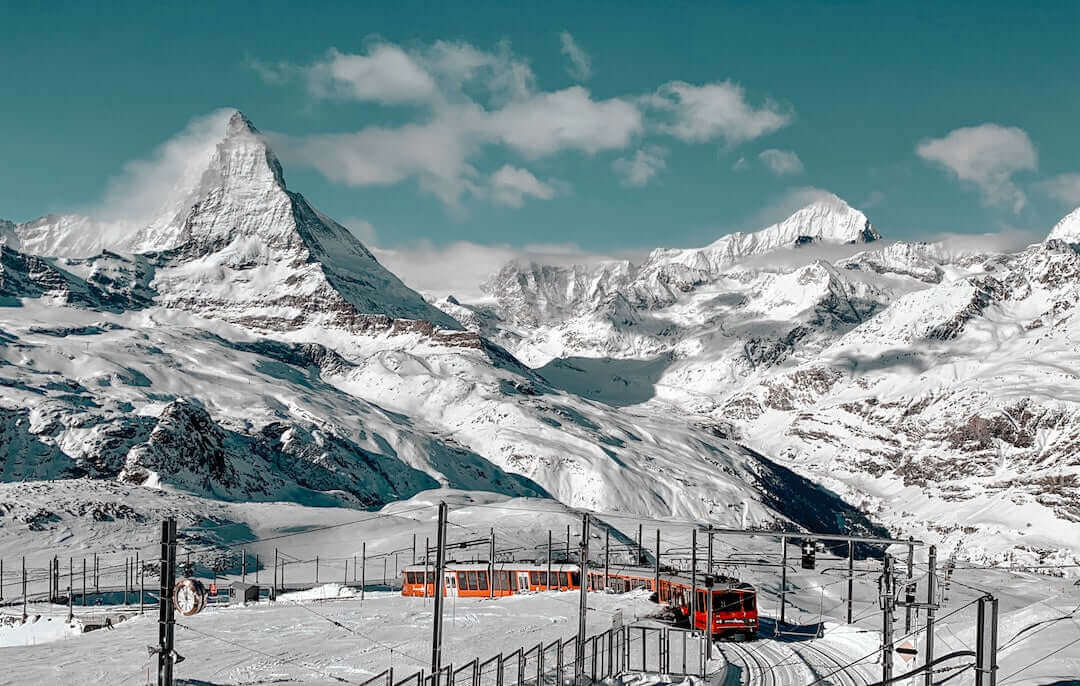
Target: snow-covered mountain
x=927 y=384
x=251 y=349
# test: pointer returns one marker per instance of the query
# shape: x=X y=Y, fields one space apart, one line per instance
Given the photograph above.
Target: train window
x=728 y=602
x=500 y=581
x=482 y=581
x=748 y=602
x=470 y=581
x=575 y=579
x=534 y=578
x=701 y=601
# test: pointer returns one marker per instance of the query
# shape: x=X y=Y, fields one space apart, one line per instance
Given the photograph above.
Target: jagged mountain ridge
x=251 y=349
x=889 y=374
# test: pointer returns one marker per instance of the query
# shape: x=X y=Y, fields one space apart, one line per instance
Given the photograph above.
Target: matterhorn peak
x=1068 y=229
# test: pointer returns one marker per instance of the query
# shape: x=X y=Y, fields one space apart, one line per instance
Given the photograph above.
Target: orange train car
x=734 y=602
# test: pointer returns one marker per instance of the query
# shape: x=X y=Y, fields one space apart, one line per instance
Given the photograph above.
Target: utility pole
x=24 y=615
x=567 y=543
x=165 y=604
x=693 y=580
x=243 y=565
x=97 y=579
x=887 y=600
x=640 y=551
x=583 y=607
x=273 y=589
x=783 y=583
x=413 y=552
x=142 y=589
x=910 y=574
x=84 y=581
x=363 y=569
x=851 y=581
x=440 y=564
x=931 y=600
x=986 y=642
x=491 y=563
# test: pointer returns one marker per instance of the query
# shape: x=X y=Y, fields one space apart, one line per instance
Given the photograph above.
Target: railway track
x=848 y=676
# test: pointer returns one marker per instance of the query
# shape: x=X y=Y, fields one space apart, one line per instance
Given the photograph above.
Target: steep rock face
x=252 y=252
x=109 y=282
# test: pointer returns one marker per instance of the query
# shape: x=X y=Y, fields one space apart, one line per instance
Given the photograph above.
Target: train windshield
x=733 y=601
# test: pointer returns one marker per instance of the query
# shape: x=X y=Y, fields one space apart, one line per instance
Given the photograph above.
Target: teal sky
x=854 y=90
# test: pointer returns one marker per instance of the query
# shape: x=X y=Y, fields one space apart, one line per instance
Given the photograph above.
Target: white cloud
x=715 y=110
x=387 y=74
x=874 y=199
x=565 y=120
x=362 y=229
x=740 y=164
x=638 y=170
x=147 y=188
x=987 y=156
x=580 y=67
x=1065 y=188
x=469 y=100
x=781 y=162
x=510 y=185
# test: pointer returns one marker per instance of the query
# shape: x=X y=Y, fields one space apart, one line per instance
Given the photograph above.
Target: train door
x=523 y=581
x=450 y=581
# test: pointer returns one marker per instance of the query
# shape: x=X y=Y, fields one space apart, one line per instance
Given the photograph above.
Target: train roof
x=499 y=566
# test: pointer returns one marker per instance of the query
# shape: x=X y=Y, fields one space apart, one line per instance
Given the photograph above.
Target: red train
x=734 y=603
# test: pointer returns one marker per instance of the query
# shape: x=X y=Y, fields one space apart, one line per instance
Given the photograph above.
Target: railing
x=658 y=650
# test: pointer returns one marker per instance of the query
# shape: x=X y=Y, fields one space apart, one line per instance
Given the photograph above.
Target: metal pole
x=71 y=583
x=656 y=576
x=24 y=615
x=693 y=579
x=887 y=621
x=363 y=570
x=127 y=576
x=256 y=569
x=910 y=574
x=851 y=581
x=243 y=565
x=640 y=550
x=931 y=595
x=384 y=571
x=165 y=608
x=709 y=570
x=709 y=614
x=1 y=578
x=583 y=607
x=84 y=581
x=986 y=642
x=547 y=583
x=142 y=589
x=607 y=554
x=568 y=543
x=273 y=595
x=440 y=564
x=97 y=579
x=414 y=548
x=491 y=563
x=783 y=582
x=316 y=570
x=345 y=578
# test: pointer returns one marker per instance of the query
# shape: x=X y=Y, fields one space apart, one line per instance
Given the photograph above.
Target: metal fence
x=635 y=648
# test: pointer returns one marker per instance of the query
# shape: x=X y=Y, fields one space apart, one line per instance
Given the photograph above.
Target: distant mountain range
x=243 y=346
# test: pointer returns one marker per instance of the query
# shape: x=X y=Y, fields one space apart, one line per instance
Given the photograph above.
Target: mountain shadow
x=615 y=382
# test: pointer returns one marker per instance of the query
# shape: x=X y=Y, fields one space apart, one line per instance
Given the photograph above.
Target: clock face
x=189 y=597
